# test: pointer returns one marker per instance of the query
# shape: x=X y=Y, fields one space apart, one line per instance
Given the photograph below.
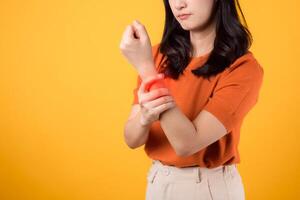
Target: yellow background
x=66 y=91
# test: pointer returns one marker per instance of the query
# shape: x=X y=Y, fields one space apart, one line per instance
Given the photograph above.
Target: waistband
x=185 y=173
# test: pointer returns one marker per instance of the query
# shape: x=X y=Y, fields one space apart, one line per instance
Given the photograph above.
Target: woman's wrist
x=144 y=123
x=157 y=84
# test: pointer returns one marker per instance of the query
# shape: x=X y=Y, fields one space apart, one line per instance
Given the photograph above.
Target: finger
x=153 y=94
x=140 y=29
x=136 y=33
x=128 y=33
x=145 y=83
x=160 y=109
x=158 y=101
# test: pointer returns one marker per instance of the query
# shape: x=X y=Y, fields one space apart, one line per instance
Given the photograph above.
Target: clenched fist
x=136 y=47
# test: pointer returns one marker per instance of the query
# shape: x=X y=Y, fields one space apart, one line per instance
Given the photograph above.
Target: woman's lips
x=184 y=16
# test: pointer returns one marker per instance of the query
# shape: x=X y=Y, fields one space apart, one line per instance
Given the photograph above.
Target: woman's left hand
x=136 y=47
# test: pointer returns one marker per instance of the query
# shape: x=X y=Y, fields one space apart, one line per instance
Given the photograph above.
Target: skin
x=151 y=105
x=186 y=137
x=200 y=23
x=136 y=48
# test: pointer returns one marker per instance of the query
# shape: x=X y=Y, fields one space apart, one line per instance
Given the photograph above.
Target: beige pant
x=166 y=182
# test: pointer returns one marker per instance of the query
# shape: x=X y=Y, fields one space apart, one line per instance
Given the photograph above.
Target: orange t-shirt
x=229 y=96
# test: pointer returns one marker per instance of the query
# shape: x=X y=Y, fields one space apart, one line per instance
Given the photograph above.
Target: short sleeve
x=135 y=95
x=236 y=93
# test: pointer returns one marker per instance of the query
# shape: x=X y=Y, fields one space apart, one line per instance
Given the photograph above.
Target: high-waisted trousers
x=166 y=182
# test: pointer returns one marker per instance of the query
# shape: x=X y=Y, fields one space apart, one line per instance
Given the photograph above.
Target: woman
x=191 y=99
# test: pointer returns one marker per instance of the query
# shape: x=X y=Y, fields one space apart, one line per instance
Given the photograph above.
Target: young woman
x=194 y=89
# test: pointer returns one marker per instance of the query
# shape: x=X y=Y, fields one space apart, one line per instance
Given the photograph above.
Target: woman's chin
x=187 y=27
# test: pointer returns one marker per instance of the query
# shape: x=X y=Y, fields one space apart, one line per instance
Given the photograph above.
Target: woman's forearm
x=135 y=133
x=179 y=130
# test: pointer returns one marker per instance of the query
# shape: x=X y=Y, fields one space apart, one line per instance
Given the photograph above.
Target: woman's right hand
x=154 y=102
x=136 y=47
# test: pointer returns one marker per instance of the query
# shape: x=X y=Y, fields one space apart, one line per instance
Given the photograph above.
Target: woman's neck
x=202 y=40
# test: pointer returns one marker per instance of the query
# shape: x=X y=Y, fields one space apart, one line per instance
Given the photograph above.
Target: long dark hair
x=232 y=41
